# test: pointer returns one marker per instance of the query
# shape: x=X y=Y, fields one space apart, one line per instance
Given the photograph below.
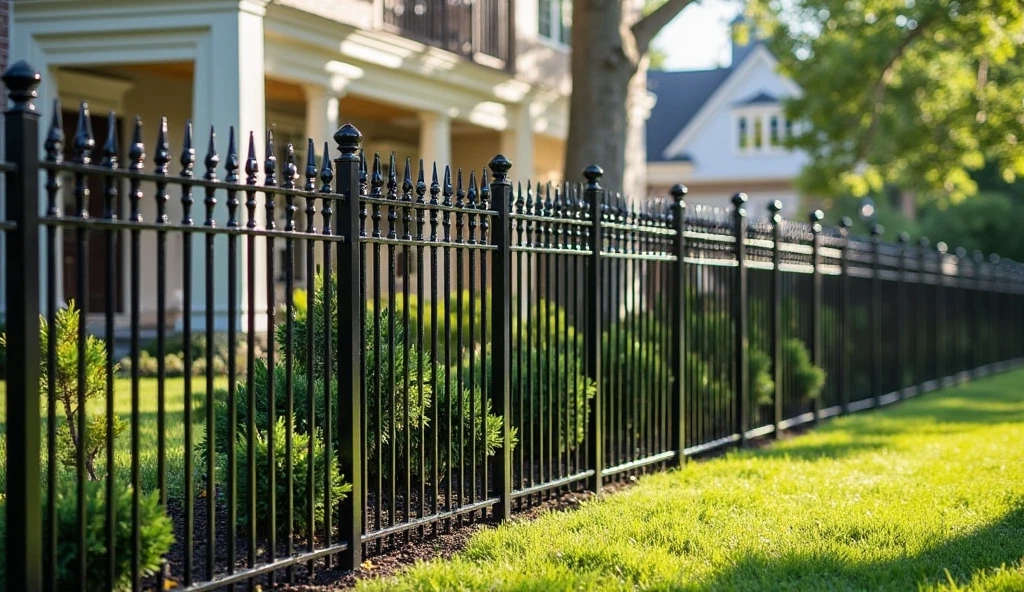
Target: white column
x=435 y=139
x=228 y=91
x=322 y=120
x=517 y=142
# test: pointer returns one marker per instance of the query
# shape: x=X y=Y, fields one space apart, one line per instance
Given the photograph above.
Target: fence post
x=594 y=197
x=679 y=322
x=24 y=503
x=817 y=353
x=501 y=329
x=921 y=366
x=877 y=230
x=995 y=363
x=775 y=325
x=901 y=314
x=844 y=324
x=350 y=342
x=940 y=329
x=739 y=302
x=978 y=348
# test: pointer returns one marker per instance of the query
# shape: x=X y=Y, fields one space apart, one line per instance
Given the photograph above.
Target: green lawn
x=174 y=434
x=927 y=495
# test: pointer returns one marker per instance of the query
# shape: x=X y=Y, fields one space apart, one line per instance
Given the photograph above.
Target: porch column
x=322 y=120
x=228 y=90
x=435 y=140
x=517 y=142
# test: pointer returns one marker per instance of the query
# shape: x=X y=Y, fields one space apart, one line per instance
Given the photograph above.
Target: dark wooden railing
x=476 y=29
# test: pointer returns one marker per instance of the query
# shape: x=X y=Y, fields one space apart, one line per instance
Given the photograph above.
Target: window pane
x=758 y=132
x=566 y=21
x=743 y=133
x=775 y=131
x=544 y=18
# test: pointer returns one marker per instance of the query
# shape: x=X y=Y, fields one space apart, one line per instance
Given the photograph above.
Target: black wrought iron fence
x=449 y=346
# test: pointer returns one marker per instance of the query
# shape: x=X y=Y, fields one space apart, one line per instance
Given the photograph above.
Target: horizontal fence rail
x=235 y=363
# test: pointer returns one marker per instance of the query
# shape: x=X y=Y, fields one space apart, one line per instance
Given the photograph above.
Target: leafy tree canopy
x=911 y=93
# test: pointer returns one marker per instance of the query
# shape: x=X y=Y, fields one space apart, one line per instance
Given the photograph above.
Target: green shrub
x=762 y=386
x=156 y=535
x=300 y=470
x=808 y=379
x=65 y=382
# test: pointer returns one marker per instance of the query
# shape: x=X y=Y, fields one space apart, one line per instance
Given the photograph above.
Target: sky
x=699 y=38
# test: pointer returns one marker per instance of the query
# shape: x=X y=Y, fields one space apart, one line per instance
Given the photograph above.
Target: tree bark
x=609 y=41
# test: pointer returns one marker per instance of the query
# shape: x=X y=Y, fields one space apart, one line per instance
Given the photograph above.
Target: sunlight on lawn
x=928 y=494
x=148 y=433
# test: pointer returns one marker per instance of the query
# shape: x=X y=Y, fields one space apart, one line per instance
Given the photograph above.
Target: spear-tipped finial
x=212 y=158
x=252 y=166
x=163 y=150
x=137 y=151
x=310 y=168
x=188 y=153
x=110 y=146
x=326 y=172
x=84 y=142
x=54 y=144
x=421 y=185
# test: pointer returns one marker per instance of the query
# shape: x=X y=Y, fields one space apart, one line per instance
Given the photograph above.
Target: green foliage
x=66 y=386
x=156 y=535
x=762 y=387
x=300 y=471
x=915 y=95
x=808 y=379
x=813 y=513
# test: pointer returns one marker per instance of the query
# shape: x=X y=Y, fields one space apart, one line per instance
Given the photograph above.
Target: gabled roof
x=761 y=98
x=680 y=97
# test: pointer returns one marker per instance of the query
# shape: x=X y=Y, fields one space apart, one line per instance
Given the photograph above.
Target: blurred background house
x=722 y=130
x=452 y=82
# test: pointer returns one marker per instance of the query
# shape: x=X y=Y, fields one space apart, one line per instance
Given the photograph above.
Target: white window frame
x=560 y=10
x=764 y=114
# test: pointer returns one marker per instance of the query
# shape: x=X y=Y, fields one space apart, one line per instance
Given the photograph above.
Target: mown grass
x=174 y=389
x=927 y=495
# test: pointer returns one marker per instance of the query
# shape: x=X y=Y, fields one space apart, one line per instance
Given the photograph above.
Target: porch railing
x=476 y=29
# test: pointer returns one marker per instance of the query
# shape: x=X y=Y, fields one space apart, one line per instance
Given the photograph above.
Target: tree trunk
x=603 y=63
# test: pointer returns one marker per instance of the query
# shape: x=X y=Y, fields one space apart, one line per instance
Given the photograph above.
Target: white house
x=721 y=131
x=449 y=82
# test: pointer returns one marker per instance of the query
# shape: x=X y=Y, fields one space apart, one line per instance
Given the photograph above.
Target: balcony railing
x=477 y=29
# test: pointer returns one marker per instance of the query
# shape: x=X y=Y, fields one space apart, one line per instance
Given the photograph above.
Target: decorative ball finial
x=593 y=174
x=678 y=192
x=941 y=247
x=923 y=242
x=903 y=237
x=994 y=259
x=500 y=166
x=961 y=253
x=845 y=223
x=817 y=216
x=21 y=81
x=348 y=138
x=877 y=230
x=774 y=207
x=739 y=200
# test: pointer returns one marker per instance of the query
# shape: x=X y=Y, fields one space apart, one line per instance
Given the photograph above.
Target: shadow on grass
x=997 y=544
